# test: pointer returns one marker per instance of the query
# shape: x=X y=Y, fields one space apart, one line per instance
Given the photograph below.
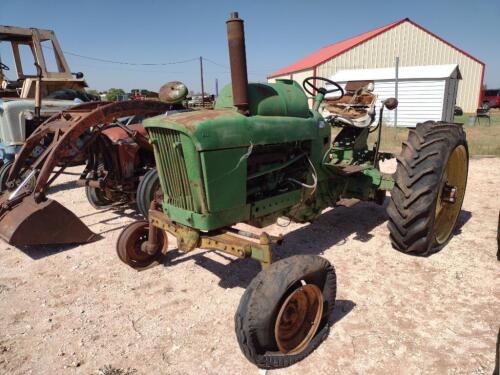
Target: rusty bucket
x=28 y=223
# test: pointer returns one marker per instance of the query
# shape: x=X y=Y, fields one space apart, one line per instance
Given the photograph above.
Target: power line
x=227 y=67
x=124 y=62
x=216 y=63
x=129 y=63
x=98 y=59
x=152 y=64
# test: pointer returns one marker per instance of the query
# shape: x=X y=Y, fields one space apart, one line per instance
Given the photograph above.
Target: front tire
x=146 y=191
x=430 y=182
x=129 y=245
x=281 y=317
x=4 y=174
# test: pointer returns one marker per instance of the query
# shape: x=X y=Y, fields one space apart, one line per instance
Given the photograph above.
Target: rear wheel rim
x=298 y=319
x=451 y=194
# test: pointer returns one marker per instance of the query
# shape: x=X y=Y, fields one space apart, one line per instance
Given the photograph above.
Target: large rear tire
x=146 y=191
x=286 y=311
x=430 y=182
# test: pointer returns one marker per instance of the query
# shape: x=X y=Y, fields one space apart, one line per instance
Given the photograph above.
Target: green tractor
x=261 y=154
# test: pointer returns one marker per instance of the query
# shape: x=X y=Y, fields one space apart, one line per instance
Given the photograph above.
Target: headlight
x=28 y=115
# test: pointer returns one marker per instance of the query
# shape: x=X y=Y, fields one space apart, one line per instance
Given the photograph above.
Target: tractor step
x=352 y=169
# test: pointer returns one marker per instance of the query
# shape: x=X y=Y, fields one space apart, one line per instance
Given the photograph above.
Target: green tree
x=114 y=93
x=93 y=92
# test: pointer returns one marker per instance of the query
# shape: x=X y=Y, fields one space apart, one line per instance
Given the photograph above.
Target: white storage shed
x=424 y=92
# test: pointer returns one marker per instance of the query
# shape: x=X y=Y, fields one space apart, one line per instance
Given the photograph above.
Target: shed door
x=419 y=100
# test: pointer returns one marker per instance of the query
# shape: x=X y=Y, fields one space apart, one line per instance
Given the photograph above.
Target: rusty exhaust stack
x=238 y=62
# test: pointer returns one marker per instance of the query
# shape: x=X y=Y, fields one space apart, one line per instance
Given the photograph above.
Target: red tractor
x=119 y=167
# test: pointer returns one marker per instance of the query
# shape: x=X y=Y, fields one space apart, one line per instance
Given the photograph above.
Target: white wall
x=419 y=100
x=298 y=77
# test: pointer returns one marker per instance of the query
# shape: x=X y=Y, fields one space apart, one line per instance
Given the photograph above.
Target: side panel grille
x=172 y=168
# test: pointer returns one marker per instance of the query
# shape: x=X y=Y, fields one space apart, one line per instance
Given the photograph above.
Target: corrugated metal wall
x=297 y=76
x=414 y=46
x=419 y=100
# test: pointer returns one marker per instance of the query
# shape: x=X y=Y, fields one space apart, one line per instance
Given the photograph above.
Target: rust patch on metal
x=191 y=120
x=238 y=62
x=117 y=134
x=32 y=223
x=72 y=136
x=173 y=92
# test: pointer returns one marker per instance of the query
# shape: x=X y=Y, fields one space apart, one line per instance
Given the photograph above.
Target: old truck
x=43 y=86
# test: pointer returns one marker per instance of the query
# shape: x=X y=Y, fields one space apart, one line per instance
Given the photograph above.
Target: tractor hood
x=14 y=113
x=278 y=113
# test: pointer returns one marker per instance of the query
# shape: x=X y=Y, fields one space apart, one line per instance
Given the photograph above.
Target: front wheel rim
x=451 y=194
x=129 y=247
x=298 y=319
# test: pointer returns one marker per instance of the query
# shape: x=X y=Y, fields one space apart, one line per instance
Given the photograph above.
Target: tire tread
x=413 y=198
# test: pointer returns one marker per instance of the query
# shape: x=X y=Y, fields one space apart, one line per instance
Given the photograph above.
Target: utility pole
x=396 y=84
x=1 y=73
x=216 y=88
x=202 y=87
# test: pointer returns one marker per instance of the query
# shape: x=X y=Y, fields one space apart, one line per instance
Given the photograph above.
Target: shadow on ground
x=342 y=308
x=331 y=228
x=463 y=218
x=63 y=186
x=41 y=251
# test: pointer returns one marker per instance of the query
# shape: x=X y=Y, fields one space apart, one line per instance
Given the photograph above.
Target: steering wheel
x=307 y=84
x=3 y=66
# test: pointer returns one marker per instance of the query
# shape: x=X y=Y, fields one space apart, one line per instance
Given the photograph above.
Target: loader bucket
x=30 y=223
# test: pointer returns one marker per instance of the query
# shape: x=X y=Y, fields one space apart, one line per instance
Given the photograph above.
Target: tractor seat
x=356 y=108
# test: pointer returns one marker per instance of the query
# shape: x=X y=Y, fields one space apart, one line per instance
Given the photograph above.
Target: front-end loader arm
x=27 y=217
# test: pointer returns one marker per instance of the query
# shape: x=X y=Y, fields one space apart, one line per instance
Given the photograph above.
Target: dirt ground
x=75 y=310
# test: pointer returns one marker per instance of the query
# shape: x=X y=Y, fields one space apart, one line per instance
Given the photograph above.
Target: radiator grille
x=172 y=168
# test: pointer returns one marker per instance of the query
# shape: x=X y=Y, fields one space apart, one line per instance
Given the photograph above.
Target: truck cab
x=491 y=98
x=35 y=83
x=29 y=46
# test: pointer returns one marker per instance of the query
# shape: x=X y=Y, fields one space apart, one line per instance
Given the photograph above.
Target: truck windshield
x=6 y=58
x=26 y=60
x=492 y=93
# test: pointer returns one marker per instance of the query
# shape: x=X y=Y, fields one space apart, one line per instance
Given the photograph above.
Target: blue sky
x=278 y=33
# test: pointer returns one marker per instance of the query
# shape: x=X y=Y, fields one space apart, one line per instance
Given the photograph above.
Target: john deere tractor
x=261 y=154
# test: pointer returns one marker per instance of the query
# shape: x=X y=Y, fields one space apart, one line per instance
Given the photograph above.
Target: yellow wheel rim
x=451 y=194
x=298 y=319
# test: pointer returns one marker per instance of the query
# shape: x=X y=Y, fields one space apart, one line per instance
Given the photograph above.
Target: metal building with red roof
x=378 y=48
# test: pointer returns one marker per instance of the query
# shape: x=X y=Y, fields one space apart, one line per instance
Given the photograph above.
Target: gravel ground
x=75 y=310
